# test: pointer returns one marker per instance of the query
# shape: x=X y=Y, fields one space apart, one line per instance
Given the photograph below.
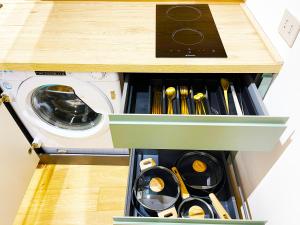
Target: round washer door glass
x=59 y=106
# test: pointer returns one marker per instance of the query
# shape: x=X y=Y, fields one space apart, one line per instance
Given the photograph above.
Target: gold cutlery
x=200 y=108
x=183 y=96
x=225 y=86
x=159 y=103
x=156 y=104
x=153 y=109
x=171 y=93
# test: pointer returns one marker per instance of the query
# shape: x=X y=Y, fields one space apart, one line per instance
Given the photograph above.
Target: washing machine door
x=63 y=102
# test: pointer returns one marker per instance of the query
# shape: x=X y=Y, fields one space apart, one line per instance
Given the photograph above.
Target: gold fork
x=183 y=94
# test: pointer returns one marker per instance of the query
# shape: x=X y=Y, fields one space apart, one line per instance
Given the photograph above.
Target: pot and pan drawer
x=245 y=127
x=135 y=213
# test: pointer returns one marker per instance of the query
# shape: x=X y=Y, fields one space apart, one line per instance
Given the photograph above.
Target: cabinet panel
x=16 y=168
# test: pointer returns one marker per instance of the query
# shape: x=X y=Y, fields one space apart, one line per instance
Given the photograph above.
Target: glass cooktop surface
x=187 y=31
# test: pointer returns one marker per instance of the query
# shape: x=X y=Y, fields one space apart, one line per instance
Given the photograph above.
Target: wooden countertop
x=120 y=37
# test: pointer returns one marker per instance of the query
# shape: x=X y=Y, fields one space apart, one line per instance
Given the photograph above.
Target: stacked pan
x=165 y=192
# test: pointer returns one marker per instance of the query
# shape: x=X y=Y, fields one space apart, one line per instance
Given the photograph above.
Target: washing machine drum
x=63 y=102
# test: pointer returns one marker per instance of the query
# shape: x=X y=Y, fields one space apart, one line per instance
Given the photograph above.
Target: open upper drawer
x=247 y=126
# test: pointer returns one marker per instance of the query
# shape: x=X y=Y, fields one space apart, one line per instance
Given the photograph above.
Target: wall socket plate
x=289 y=28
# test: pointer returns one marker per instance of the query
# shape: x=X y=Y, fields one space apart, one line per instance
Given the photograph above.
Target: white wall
x=272 y=180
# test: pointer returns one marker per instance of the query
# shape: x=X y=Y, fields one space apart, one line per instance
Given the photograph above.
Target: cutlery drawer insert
x=206 y=124
x=135 y=213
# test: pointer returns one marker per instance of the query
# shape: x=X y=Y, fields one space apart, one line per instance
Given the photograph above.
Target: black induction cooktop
x=187 y=31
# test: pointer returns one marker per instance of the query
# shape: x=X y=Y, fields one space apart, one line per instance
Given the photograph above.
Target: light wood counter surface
x=74 y=194
x=120 y=37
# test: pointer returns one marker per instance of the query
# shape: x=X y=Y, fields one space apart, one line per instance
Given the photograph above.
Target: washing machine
x=66 y=112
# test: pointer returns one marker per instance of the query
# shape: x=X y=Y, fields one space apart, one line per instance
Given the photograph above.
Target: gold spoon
x=199 y=103
x=171 y=93
x=225 y=86
x=197 y=99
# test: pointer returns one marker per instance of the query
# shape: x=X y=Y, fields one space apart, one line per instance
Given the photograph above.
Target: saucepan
x=192 y=207
x=157 y=189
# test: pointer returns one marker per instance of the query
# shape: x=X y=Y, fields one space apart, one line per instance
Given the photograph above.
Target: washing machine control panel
x=95 y=76
x=86 y=76
x=98 y=76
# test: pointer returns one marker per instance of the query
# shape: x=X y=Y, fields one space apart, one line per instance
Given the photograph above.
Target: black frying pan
x=200 y=170
x=192 y=207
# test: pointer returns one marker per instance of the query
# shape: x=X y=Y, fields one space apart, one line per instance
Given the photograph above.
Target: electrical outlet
x=289 y=28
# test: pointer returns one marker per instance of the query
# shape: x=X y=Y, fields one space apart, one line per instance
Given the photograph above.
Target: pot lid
x=200 y=170
x=157 y=188
x=195 y=208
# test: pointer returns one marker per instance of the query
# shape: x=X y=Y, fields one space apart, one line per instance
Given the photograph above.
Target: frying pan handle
x=184 y=192
x=147 y=163
x=168 y=213
x=222 y=213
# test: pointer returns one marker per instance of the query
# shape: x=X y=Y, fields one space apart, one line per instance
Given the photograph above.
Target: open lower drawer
x=247 y=126
x=136 y=214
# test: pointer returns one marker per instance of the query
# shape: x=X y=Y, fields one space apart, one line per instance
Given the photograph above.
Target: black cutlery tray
x=168 y=158
x=141 y=89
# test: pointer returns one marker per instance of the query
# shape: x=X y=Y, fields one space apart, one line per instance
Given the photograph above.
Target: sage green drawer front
x=209 y=132
x=181 y=221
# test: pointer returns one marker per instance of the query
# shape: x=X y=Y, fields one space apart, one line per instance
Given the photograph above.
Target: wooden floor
x=74 y=194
